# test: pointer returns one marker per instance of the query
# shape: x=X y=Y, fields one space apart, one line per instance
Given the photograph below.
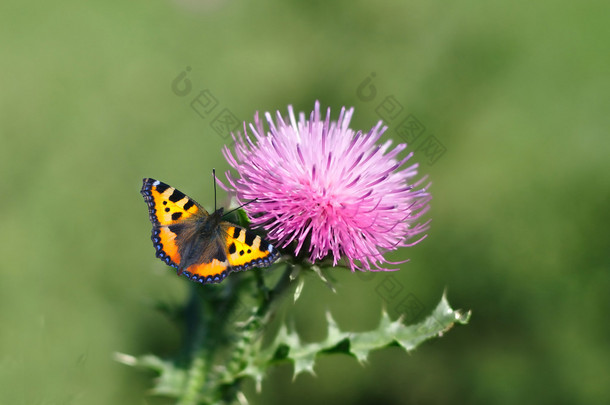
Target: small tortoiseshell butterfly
x=201 y=246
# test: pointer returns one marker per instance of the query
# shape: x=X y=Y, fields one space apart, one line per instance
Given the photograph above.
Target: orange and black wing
x=235 y=249
x=246 y=249
x=211 y=266
x=169 y=209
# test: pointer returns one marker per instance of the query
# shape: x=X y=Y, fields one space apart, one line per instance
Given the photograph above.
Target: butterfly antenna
x=214 y=176
x=243 y=205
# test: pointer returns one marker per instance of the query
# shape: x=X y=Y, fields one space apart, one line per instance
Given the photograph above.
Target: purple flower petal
x=332 y=190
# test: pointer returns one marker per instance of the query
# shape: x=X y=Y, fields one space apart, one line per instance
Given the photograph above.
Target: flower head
x=330 y=189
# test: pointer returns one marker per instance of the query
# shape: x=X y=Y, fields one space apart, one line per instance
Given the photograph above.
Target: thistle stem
x=207 y=315
x=271 y=296
x=195 y=380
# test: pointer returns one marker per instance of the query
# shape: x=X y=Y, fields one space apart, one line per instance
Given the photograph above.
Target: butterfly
x=202 y=246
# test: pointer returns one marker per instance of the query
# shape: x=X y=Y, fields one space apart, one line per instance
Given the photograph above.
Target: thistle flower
x=330 y=189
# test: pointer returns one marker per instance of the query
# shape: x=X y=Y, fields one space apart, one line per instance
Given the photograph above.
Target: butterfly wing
x=212 y=265
x=169 y=210
x=233 y=249
x=177 y=224
x=246 y=249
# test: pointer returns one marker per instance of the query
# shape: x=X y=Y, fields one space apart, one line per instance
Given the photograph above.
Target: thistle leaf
x=171 y=379
x=287 y=345
x=440 y=321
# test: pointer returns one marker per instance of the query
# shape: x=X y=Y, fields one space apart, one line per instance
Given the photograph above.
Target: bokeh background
x=516 y=95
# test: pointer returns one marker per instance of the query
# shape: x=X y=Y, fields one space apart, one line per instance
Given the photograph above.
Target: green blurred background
x=516 y=93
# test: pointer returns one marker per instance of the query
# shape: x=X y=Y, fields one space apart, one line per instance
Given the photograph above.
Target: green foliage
x=288 y=346
x=220 y=353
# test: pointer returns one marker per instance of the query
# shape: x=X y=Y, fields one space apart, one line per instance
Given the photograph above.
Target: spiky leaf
x=361 y=344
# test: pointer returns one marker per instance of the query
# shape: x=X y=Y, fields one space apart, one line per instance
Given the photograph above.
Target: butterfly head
x=210 y=224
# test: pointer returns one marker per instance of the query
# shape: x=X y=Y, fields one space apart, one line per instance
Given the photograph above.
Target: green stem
x=196 y=333
x=205 y=332
x=208 y=331
x=245 y=346
x=280 y=287
x=195 y=379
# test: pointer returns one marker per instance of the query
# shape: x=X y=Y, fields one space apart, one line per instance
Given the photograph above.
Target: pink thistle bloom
x=330 y=189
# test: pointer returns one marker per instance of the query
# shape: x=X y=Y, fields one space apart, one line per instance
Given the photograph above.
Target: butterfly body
x=202 y=246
